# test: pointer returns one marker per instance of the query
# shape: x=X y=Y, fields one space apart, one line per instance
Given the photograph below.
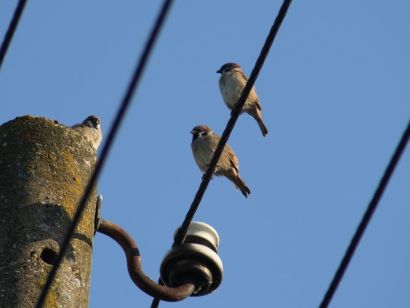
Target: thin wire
x=366 y=218
x=11 y=30
x=122 y=110
x=182 y=231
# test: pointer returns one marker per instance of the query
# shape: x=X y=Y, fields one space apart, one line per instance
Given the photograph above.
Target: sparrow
x=90 y=128
x=231 y=83
x=204 y=142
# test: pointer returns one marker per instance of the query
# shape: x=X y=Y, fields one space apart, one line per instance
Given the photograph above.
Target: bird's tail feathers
x=262 y=126
x=257 y=115
x=240 y=184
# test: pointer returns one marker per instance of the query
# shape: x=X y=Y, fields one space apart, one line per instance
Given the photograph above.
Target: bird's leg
x=216 y=170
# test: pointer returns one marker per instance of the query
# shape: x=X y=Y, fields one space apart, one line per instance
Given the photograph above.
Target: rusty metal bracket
x=135 y=268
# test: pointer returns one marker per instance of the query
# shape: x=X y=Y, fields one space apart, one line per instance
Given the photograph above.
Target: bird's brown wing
x=258 y=105
x=228 y=152
x=233 y=160
x=253 y=97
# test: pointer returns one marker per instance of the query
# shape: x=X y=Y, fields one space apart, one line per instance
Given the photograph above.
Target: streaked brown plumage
x=231 y=83
x=204 y=143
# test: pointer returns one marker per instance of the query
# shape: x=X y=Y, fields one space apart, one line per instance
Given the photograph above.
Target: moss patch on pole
x=44 y=168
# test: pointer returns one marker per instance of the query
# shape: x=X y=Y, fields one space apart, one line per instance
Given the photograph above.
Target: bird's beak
x=192 y=132
x=219 y=71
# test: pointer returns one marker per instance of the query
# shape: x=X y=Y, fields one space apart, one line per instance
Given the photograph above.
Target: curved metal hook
x=135 y=271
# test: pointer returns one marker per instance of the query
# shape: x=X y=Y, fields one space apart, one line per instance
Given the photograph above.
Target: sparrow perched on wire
x=204 y=143
x=90 y=128
x=231 y=83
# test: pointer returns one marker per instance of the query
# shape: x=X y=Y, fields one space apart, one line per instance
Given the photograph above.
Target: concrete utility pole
x=44 y=168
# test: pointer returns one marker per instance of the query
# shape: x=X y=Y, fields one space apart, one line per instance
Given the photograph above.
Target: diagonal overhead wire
x=122 y=110
x=8 y=37
x=371 y=208
x=182 y=231
x=232 y=121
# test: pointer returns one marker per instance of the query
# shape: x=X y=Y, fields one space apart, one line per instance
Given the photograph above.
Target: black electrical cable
x=11 y=29
x=182 y=231
x=122 y=110
x=366 y=218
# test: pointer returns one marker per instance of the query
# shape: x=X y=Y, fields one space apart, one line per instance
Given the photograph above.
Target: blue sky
x=335 y=95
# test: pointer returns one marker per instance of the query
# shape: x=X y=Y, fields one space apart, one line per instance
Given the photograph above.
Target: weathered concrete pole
x=44 y=168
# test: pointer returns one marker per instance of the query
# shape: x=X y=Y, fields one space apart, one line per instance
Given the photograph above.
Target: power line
x=366 y=218
x=182 y=231
x=122 y=110
x=12 y=28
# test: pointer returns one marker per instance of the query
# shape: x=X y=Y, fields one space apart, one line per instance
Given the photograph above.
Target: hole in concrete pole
x=48 y=255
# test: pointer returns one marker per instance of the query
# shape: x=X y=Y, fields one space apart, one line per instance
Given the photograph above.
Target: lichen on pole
x=44 y=168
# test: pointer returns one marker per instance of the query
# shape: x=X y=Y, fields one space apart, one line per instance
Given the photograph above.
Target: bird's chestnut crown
x=202 y=130
x=227 y=67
